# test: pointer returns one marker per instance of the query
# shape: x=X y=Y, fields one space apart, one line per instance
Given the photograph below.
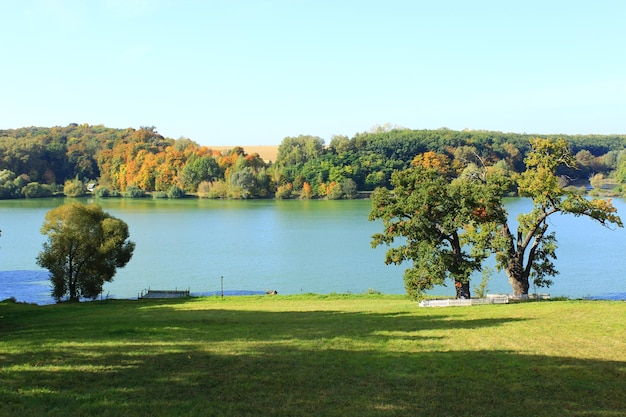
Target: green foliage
x=620 y=174
x=118 y=158
x=482 y=289
x=132 y=191
x=74 y=188
x=528 y=254
x=334 y=191
x=6 y=176
x=215 y=189
x=446 y=226
x=349 y=188
x=9 y=191
x=294 y=151
x=542 y=265
x=36 y=190
x=198 y=169
x=104 y=192
x=284 y=192
x=85 y=247
x=175 y=192
x=243 y=183
x=8 y=188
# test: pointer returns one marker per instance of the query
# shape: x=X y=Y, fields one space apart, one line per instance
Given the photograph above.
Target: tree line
x=76 y=159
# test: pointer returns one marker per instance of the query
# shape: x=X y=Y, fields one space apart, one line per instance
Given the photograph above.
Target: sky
x=252 y=72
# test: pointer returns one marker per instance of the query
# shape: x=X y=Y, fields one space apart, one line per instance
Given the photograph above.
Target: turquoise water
x=287 y=246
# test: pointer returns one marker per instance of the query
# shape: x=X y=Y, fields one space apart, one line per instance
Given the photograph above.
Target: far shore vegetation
x=82 y=159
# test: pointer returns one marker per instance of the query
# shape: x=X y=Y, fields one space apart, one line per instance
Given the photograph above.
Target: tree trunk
x=462 y=290
x=518 y=277
x=515 y=271
x=72 y=284
x=73 y=294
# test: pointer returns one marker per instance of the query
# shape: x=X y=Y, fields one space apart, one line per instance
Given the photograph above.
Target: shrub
x=307 y=191
x=349 y=188
x=216 y=189
x=36 y=190
x=481 y=290
x=175 y=192
x=334 y=191
x=74 y=188
x=284 y=192
x=104 y=192
x=8 y=191
x=132 y=191
x=101 y=192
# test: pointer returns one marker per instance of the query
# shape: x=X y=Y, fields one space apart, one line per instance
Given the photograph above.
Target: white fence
x=451 y=302
x=490 y=299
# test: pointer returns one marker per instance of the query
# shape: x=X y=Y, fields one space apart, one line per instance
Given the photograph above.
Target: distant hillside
x=267 y=153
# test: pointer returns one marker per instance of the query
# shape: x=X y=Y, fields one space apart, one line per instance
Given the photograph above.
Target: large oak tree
x=444 y=228
x=527 y=254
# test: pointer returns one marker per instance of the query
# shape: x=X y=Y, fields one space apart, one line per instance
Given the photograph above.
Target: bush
x=482 y=289
x=307 y=192
x=74 y=188
x=9 y=191
x=334 y=192
x=284 y=192
x=216 y=189
x=175 y=192
x=132 y=191
x=101 y=192
x=159 y=194
x=349 y=188
x=104 y=192
x=36 y=190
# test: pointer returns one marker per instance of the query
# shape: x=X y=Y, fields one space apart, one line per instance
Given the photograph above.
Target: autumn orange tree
x=434 y=160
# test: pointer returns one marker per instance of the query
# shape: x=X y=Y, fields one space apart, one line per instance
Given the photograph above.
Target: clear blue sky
x=237 y=72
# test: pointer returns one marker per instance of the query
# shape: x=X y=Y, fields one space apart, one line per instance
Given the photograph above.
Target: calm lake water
x=290 y=246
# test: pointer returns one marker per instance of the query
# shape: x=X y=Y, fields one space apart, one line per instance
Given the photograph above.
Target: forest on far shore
x=79 y=159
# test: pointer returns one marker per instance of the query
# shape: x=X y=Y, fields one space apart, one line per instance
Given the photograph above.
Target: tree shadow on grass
x=165 y=322
x=156 y=362
x=290 y=381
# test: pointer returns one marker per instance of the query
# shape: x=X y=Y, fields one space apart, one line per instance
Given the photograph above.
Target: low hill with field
x=267 y=153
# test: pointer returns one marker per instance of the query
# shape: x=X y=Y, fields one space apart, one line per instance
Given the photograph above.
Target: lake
x=290 y=246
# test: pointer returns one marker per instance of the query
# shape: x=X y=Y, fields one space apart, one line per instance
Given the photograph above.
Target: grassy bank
x=312 y=355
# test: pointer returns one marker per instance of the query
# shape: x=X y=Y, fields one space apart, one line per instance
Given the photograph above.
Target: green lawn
x=310 y=355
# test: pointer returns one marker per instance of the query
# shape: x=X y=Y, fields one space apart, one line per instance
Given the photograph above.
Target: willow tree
x=443 y=227
x=528 y=253
x=85 y=247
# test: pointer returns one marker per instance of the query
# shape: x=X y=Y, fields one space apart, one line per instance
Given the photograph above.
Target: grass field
x=369 y=355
